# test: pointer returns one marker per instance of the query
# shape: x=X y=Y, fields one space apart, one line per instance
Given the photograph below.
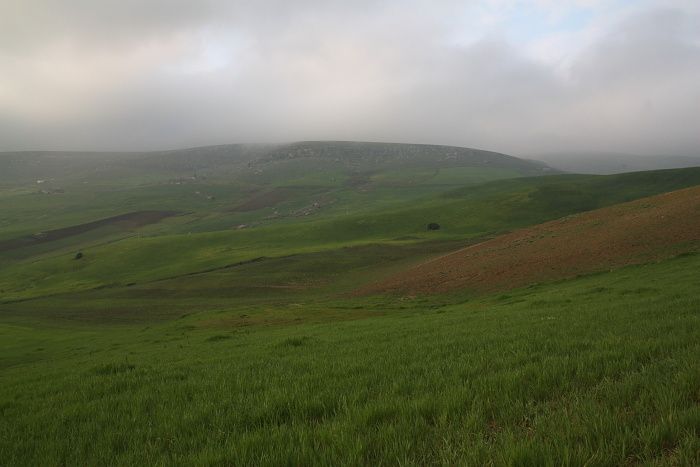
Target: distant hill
x=364 y=156
x=611 y=163
x=242 y=160
x=637 y=232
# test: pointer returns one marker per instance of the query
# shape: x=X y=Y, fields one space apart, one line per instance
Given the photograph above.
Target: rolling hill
x=116 y=256
x=205 y=237
x=241 y=161
x=222 y=187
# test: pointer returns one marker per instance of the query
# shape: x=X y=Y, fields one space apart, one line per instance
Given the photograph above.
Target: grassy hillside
x=211 y=318
x=225 y=186
x=175 y=247
x=599 y=370
x=636 y=232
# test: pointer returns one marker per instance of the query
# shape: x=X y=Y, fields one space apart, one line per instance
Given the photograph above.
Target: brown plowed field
x=640 y=231
x=131 y=220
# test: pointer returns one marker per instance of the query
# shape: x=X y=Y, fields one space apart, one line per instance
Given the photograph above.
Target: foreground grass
x=600 y=370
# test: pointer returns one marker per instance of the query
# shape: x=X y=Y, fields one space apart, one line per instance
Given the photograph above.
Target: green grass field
x=230 y=335
x=601 y=370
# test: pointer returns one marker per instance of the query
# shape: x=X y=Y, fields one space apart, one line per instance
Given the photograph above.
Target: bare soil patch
x=127 y=221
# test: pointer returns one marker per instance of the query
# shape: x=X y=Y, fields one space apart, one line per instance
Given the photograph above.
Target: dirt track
x=130 y=220
x=631 y=233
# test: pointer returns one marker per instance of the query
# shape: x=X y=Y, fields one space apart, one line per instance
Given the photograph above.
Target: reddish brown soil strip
x=644 y=230
x=127 y=221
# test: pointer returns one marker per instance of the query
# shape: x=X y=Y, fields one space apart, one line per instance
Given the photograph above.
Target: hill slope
x=629 y=233
x=222 y=187
x=204 y=240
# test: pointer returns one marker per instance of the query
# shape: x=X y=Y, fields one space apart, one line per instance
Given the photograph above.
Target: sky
x=515 y=76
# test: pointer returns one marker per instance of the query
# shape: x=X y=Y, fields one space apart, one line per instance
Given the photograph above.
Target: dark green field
x=226 y=330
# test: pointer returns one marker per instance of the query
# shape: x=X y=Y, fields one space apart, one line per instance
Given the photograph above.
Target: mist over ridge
x=519 y=77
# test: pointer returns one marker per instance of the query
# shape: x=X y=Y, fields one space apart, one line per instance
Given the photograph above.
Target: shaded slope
x=631 y=233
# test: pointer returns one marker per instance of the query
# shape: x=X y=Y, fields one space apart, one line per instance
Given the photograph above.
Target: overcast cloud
x=508 y=75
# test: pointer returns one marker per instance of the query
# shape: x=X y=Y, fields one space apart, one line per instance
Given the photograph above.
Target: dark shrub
x=218 y=337
x=113 y=368
x=433 y=226
x=296 y=341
